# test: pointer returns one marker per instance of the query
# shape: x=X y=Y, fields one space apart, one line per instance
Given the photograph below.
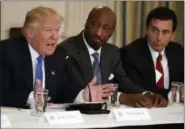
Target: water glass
x=113 y=97
x=41 y=98
x=176 y=95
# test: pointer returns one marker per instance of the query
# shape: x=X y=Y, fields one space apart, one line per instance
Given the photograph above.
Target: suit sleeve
x=0 y=72
x=130 y=68
x=126 y=84
x=73 y=73
x=10 y=94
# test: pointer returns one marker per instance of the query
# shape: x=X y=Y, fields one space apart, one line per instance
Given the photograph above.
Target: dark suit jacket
x=17 y=74
x=138 y=64
x=81 y=68
x=0 y=71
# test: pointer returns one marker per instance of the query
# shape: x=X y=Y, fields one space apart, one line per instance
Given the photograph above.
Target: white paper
x=5 y=121
x=131 y=114
x=64 y=117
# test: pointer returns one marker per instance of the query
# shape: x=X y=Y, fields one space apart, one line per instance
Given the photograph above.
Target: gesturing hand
x=99 y=93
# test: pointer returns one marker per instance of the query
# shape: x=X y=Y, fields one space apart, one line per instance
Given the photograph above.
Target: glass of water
x=176 y=94
x=114 y=96
x=41 y=98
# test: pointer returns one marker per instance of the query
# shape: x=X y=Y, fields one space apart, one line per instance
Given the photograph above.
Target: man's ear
x=30 y=32
x=173 y=35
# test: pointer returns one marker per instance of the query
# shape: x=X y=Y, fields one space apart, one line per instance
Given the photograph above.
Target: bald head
x=102 y=11
x=99 y=26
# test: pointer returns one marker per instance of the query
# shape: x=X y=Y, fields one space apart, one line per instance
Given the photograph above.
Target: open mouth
x=98 y=41
x=50 y=44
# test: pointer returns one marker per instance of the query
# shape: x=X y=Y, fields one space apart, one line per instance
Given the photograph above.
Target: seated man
x=89 y=55
x=154 y=61
x=22 y=56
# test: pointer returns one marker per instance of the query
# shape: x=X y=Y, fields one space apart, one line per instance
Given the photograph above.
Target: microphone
x=72 y=62
x=90 y=95
x=87 y=108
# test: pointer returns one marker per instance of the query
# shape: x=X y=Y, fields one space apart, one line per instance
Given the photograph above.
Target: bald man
x=94 y=62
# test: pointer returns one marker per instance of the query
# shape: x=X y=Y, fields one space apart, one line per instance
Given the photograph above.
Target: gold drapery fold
x=131 y=19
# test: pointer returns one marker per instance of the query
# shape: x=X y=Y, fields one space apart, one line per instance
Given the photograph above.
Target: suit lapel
x=171 y=63
x=148 y=67
x=26 y=64
x=104 y=64
x=50 y=78
x=84 y=59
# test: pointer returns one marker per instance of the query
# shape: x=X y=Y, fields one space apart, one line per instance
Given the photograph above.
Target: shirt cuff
x=147 y=92
x=119 y=93
x=79 y=97
x=30 y=101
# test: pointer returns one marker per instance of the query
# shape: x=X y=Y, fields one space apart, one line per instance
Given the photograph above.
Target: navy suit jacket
x=17 y=74
x=138 y=64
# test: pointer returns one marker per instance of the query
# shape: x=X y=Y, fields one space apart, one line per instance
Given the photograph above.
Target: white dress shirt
x=34 y=55
x=164 y=63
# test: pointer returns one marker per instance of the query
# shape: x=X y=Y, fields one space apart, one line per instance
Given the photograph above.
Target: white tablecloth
x=22 y=118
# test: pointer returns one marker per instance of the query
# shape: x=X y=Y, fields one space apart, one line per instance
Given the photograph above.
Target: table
x=167 y=117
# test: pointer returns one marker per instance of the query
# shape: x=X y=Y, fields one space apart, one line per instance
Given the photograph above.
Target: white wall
x=75 y=13
x=13 y=12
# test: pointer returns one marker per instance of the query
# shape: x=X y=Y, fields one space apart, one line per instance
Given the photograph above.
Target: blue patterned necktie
x=38 y=70
x=96 y=68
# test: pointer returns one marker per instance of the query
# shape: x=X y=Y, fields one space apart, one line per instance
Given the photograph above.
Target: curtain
x=132 y=19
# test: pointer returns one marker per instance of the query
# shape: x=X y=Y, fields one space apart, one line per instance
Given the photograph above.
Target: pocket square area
x=111 y=76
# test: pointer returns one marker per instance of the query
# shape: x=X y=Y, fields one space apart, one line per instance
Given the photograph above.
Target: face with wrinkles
x=99 y=27
x=45 y=36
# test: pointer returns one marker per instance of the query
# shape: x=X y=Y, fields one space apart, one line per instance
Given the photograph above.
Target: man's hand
x=182 y=94
x=99 y=93
x=158 y=100
x=136 y=100
x=38 y=88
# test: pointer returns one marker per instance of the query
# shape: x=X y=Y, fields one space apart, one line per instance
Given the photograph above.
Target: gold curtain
x=132 y=19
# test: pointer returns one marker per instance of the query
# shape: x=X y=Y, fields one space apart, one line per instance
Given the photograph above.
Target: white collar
x=155 y=53
x=89 y=48
x=33 y=53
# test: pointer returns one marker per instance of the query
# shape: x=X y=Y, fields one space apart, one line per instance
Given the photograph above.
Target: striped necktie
x=96 y=68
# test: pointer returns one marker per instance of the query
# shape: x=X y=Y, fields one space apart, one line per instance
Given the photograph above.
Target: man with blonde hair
x=34 y=57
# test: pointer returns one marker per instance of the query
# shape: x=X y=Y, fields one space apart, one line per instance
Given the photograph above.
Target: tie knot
x=96 y=55
x=39 y=59
x=159 y=58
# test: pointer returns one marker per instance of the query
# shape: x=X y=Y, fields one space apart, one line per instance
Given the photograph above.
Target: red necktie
x=159 y=68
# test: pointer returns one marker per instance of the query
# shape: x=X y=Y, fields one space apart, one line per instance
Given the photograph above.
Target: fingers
x=104 y=86
x=159 y=101
x=93 y=81
x=156 y=100
x=38 y=86
x=145 y=102
x=108 y=89
x=105 y=95
x=162 y=102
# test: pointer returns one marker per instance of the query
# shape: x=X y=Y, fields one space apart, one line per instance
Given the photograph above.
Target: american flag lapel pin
x=52 y=72
x=67 y=57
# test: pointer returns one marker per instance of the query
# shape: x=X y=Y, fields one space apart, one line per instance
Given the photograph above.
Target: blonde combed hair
x=39 y=15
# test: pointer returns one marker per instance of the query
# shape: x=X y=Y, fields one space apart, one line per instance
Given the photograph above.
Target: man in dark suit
x=141 y=57
x=81 y=51
x=20 y=59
